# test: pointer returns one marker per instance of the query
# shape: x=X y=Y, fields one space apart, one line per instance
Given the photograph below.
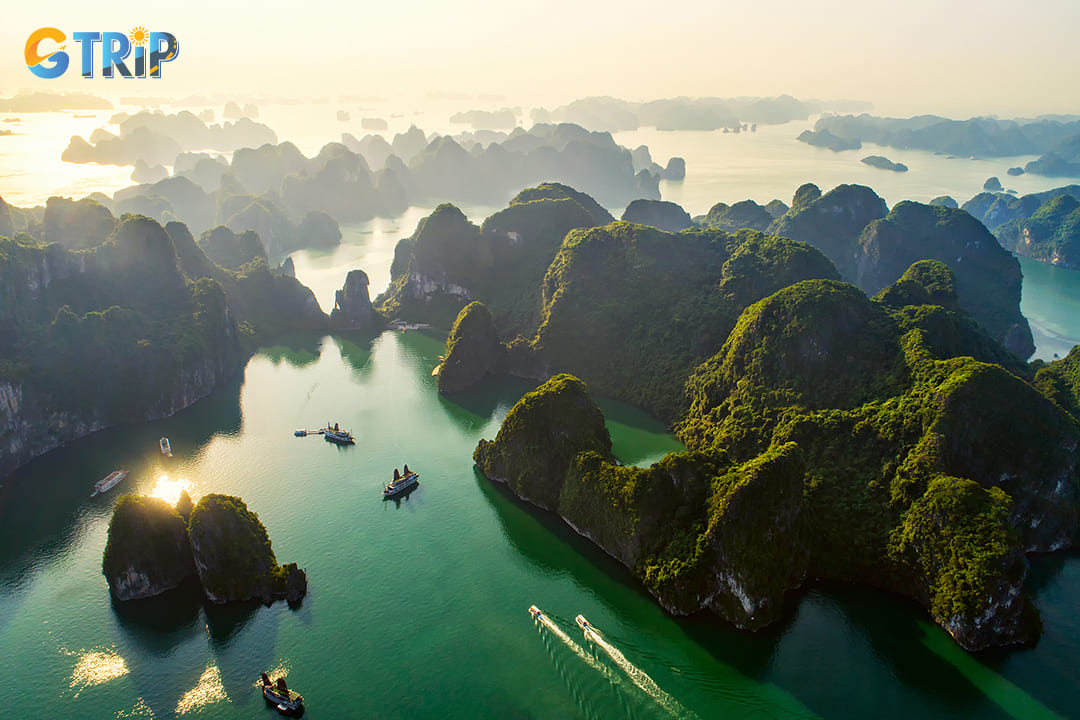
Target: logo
x=47 y=58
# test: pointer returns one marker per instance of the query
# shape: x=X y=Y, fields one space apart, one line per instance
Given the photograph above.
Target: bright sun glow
x=139 y=36
x=169 y=490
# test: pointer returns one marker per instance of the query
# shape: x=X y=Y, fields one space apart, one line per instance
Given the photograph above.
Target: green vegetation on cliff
x=232 y=552
x=136 y=327
x=473 y=350
x=153 y=548
x=605 y=287
x=887 y=441
x=449 y=262
x=1051 y=234
x=987 y=277
x=539 y=438
x=147 y=550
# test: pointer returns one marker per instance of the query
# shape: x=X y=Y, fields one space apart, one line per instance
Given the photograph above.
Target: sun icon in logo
x=139 y=36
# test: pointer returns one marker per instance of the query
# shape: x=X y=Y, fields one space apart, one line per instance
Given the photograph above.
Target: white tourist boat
x=108 y=482
x=401 y=484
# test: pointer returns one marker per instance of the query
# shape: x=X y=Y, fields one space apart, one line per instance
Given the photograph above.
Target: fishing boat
x=400 y=484
x=108 y=482
x=285 y=700
x=166 y=448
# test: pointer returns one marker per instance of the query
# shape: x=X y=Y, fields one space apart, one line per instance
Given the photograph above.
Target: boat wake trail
x=591 y=661
x=590 y=700
x=636 y=674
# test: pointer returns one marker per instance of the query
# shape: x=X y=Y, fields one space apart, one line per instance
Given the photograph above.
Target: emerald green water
x=418 y=608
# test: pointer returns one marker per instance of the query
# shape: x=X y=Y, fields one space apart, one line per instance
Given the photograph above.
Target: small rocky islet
x=153 y=548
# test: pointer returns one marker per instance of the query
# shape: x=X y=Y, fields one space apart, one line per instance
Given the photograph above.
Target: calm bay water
x=418 y=608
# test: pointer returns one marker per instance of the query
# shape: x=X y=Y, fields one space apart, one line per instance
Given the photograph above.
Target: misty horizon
x=958 y=60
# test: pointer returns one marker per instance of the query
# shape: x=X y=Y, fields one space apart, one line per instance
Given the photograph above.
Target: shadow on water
x=189 y=648
x=297 y=350
x=223 y=622
x=899 y=643
x=530 y=529
x=487 y=398
x=356 y=349
x=242 y=637
x=167 y=635
x=33 y=533
x=159 y=624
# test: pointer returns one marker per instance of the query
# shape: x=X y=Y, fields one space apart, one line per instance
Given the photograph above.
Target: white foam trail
x=639 y=677
x=578 y=650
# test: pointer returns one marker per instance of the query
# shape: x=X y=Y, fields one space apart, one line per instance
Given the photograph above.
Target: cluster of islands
x=851 y=381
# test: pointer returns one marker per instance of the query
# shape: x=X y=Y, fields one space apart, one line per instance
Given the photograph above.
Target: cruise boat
x=166 y=448
x=339 y=437
x=401 y=484
x=108 y=482
x=287 y=702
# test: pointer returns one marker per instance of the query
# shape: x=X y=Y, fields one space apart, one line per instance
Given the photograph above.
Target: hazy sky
x=953 y=57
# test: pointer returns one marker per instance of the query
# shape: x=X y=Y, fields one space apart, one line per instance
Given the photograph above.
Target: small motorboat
x=401 y=484
x=535 y=612
x=584 y=624
x=166 y=448
x=108 y=482
x=287 y=702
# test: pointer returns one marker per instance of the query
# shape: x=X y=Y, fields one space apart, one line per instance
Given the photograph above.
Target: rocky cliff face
x=473 y=350
x=658 y=214
x=147 y=552
x=233 y=556
x=449 y=262
x=831 y=222
x=31 y=425
x=540 y=437
x=988 y=278
x=132 y=330
x=352 y=304
x=152 y=549
x=833 y=436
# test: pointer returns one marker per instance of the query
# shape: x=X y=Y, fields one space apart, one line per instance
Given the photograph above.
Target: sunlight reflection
x=169 y=490
x=209 y=690
x=139 y=710
x=278 y=671
x=97 y=667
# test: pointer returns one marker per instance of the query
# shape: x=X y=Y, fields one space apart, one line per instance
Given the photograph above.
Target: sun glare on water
x=96 y=667
x=209 y=690
x=169 y=490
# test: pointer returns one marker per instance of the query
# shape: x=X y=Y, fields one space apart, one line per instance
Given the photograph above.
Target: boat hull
x=401 y=487
x=109 y=482
x=285 y=705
